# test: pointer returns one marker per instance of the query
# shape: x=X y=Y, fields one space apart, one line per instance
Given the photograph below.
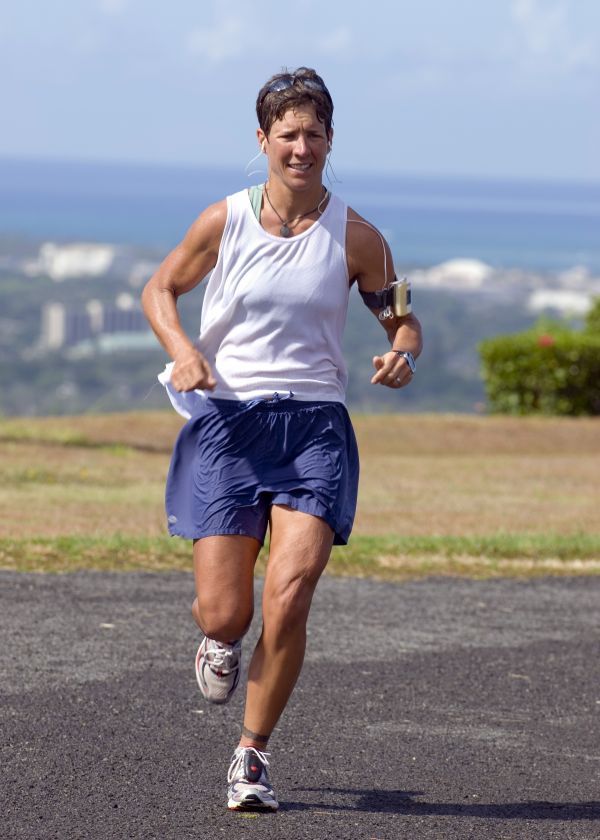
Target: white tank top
x=275 y=310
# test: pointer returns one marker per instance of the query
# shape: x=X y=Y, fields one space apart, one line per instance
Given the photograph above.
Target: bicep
x=195 y=256
x=370 y=261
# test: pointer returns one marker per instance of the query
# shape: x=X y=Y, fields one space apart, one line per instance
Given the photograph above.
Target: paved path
x=439 y=709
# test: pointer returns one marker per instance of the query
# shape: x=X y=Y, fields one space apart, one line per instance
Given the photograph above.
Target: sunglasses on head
x=290 y=79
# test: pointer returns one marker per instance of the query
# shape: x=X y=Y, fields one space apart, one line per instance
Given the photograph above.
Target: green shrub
x=549 y=369
x=592 y=320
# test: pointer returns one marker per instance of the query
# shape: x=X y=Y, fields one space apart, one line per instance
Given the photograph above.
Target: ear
x=330 y=140
x=262 y=139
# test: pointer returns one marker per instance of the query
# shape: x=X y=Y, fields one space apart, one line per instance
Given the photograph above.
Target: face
x=296 y=147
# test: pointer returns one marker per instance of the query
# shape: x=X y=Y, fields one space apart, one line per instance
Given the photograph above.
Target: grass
x=390 y=558
x=439 y=495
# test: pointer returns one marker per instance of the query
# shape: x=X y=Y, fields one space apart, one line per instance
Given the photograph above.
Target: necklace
x=287 y=227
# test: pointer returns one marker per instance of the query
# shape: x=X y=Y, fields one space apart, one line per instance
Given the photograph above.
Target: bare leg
x=300 y=548
x=224 y=573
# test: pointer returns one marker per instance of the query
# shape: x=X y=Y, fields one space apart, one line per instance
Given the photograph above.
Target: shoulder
x=206 y=231
x=368 y=254
x=212 y=219
x=361 y=233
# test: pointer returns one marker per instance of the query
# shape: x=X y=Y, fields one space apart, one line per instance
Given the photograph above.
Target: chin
x=308 y=178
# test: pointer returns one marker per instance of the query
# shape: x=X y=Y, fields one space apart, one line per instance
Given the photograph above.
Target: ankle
x=249 y=738
x=245 y=743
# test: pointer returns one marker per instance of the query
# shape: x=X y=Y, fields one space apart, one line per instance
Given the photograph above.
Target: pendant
x=284 y=230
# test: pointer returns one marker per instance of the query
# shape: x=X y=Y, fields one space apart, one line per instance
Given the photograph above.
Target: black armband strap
x=380 y=299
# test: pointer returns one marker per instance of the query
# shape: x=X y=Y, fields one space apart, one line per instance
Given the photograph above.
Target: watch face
x=411 y=361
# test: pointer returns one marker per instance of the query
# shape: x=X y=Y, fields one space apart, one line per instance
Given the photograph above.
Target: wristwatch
x=410 y=359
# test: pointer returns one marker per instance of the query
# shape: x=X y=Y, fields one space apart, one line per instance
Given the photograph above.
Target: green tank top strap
x=256 y=195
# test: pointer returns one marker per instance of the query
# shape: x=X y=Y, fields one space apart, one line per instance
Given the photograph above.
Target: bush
x=592 y=320
x=549 y=369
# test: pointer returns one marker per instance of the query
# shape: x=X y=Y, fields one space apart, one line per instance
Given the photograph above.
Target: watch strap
x=410 y=359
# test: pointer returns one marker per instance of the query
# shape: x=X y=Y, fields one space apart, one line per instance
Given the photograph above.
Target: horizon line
x=231 y=169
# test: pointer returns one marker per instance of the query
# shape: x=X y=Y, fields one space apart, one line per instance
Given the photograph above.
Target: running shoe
x=218 y=669
x=249 y=785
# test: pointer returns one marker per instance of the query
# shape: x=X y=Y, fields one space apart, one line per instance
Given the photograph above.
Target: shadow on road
x=402 y=802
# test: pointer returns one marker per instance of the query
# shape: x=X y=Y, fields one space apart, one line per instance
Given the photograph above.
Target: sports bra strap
x=256 y=195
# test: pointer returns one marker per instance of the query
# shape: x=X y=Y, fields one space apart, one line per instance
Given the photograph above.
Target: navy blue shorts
x=233 y=460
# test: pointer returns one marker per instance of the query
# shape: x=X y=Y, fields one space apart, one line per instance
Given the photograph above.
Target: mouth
x=300 y=167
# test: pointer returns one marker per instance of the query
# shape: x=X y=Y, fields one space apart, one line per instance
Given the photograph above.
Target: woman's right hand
x=191 y=371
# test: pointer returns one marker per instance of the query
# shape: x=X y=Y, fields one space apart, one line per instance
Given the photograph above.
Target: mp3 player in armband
x=395 y=299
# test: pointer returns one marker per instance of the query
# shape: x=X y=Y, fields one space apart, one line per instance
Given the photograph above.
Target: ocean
x=531 y=225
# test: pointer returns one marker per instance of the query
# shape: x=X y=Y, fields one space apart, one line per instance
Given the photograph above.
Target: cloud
x=227 y=38
x=546 y=38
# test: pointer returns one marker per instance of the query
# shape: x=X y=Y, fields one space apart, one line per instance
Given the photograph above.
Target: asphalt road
x=436 y=709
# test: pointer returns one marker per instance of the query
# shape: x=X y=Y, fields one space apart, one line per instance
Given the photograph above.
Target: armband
x=395 y=299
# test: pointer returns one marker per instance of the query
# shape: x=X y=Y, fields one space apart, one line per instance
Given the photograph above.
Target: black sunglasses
x=290 y=79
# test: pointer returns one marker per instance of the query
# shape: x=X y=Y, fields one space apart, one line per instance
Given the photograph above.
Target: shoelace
x=220 y=656
x=238 y=761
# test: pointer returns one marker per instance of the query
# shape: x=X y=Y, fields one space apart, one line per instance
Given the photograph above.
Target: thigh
x=224 y=569
x=300 y=546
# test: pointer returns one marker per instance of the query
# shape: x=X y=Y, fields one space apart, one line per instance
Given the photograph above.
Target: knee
x=287 y=604
x=220 y=622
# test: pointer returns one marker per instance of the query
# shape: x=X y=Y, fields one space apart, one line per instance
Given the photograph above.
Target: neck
x=290 y=203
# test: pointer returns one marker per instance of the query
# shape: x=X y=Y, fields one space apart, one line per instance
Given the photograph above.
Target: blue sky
x=501 y=88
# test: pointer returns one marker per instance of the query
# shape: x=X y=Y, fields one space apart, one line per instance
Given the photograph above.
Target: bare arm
x=180 y=272
x=365 y=253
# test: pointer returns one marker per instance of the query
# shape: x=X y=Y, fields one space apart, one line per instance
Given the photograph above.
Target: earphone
x=387 y=312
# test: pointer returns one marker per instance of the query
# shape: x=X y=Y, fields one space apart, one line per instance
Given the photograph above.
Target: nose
x=301 y=146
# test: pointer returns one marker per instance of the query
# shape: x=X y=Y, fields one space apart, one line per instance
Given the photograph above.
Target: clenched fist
x=192 y=371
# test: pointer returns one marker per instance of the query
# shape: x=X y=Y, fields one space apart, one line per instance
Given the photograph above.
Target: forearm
x=405 y=334
x=191 y=370
x=160 y=308
x=180 y=272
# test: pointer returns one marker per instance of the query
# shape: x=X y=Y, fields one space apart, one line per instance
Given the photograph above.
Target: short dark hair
x=299 y=87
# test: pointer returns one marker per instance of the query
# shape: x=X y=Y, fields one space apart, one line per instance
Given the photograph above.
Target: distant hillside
x=116 y=374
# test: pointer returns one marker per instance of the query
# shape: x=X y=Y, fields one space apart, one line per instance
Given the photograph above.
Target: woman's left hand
x=392 y=370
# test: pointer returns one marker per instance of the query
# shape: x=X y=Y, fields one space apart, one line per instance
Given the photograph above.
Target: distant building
x=67 y=327
x=64 y=262
x=53 y=332
x=124 y=321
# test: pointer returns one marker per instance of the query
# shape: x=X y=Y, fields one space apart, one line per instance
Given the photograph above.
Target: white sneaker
x=218 y=669
x=249 y=785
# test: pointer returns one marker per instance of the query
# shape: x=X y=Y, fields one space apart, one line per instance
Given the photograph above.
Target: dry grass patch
x=464 y=494
x=61 y=490
x=152 y=431
x=479 y=568
x=459 y=434
x=445 y=477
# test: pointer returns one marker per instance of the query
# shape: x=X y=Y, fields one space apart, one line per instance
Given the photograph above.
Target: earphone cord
x=361 y=222
x=296 y=219
x=355 y=221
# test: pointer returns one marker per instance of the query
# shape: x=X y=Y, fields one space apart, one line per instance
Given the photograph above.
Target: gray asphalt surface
x=436 y=709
